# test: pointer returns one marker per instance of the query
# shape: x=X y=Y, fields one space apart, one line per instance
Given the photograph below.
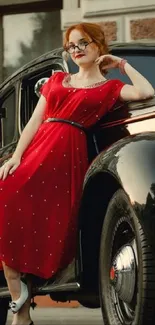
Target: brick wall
x=128 y=28
x=122 y=20
x=142 y=28
x=110 y=30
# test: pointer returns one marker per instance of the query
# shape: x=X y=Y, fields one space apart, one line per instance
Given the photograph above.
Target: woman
x=40 y=186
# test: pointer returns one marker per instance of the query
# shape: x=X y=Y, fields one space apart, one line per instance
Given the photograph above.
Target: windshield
x=144 y=64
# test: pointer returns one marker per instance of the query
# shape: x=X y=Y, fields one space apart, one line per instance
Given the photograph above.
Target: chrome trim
x=128 y=120
x=4 y=292
x=80 y=255
x=65 y=65
x=47 y=289
x=2 y=132
x=19 y=108
x=73 y=286
x=124 y=273
x=96 y=145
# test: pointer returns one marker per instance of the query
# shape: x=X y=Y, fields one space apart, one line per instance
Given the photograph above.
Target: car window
x=7 y=110
x=145 y=64
x=29 y=97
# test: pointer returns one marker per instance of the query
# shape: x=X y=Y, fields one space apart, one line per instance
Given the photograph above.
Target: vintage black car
x=114 y=267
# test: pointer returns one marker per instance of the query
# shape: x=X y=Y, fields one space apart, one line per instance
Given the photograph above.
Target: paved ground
x=65 y=316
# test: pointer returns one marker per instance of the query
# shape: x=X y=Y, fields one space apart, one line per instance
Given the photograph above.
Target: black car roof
x=57 y=53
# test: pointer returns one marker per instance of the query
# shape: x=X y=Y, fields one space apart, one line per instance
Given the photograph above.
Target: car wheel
x=4 y=305
x=127 y=267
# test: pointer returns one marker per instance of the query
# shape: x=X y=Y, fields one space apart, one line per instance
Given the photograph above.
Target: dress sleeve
x=115 y=94
x=47 y=86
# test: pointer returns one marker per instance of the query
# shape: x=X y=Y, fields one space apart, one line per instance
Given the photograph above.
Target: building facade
x=29 y=28
x=123 y=20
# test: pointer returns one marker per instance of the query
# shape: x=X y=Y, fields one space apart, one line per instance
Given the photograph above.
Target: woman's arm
x=27 y=135
x=30 y=128
x=140 y=88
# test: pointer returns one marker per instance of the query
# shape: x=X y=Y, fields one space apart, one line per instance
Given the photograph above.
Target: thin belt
x=61 y=120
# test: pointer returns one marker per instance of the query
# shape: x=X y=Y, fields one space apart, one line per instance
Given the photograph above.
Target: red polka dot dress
x=39 y=202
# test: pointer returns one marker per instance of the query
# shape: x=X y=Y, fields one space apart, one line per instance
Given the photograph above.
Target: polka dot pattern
x=39 y=202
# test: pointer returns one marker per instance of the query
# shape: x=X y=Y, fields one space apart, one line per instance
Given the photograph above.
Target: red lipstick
x=79 y=55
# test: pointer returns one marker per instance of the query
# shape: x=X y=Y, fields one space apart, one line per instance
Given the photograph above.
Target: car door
x=8 y=121
x=30 y=93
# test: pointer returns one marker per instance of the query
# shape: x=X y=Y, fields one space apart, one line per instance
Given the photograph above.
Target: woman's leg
x=23 y=316
x=13 y=278
x=13 y=281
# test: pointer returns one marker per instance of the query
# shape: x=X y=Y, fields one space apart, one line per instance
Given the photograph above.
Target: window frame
x=45 y=71
x=4 y=97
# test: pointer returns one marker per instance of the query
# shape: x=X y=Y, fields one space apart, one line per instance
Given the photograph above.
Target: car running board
x=4 y=292
x=47 y=289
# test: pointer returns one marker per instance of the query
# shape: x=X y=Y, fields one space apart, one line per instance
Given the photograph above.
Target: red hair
x=92 y=31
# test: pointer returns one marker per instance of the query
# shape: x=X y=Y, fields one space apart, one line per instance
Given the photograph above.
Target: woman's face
x=86 y=55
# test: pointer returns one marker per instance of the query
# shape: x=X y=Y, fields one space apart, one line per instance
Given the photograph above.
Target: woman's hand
x=108 y=61
x=9 y=167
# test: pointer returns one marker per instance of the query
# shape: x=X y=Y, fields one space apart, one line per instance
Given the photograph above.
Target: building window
x=27 y=36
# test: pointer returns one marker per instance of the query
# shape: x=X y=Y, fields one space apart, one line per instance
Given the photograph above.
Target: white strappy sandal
x=17 y=304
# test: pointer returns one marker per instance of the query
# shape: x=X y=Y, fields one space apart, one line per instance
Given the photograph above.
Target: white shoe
x=17 y=304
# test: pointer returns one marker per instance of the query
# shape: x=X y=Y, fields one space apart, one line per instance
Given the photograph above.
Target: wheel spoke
x=123 y=271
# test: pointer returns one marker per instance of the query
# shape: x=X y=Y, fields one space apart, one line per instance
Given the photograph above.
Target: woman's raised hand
x=109 y=61
x=9 y=167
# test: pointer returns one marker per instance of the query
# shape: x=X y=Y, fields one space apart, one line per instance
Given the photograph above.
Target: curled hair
x=92 y=31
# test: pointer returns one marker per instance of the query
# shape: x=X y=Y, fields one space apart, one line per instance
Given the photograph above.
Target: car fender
x=128 y=164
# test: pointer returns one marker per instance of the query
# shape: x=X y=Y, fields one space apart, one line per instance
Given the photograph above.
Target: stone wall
x=122 y=20
x=142 y=28
x=110 y=30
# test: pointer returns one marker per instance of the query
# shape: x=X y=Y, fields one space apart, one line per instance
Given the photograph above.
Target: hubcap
x=123 y=273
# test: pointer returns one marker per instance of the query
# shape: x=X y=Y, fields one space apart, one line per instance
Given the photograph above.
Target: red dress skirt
x=39 y=202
